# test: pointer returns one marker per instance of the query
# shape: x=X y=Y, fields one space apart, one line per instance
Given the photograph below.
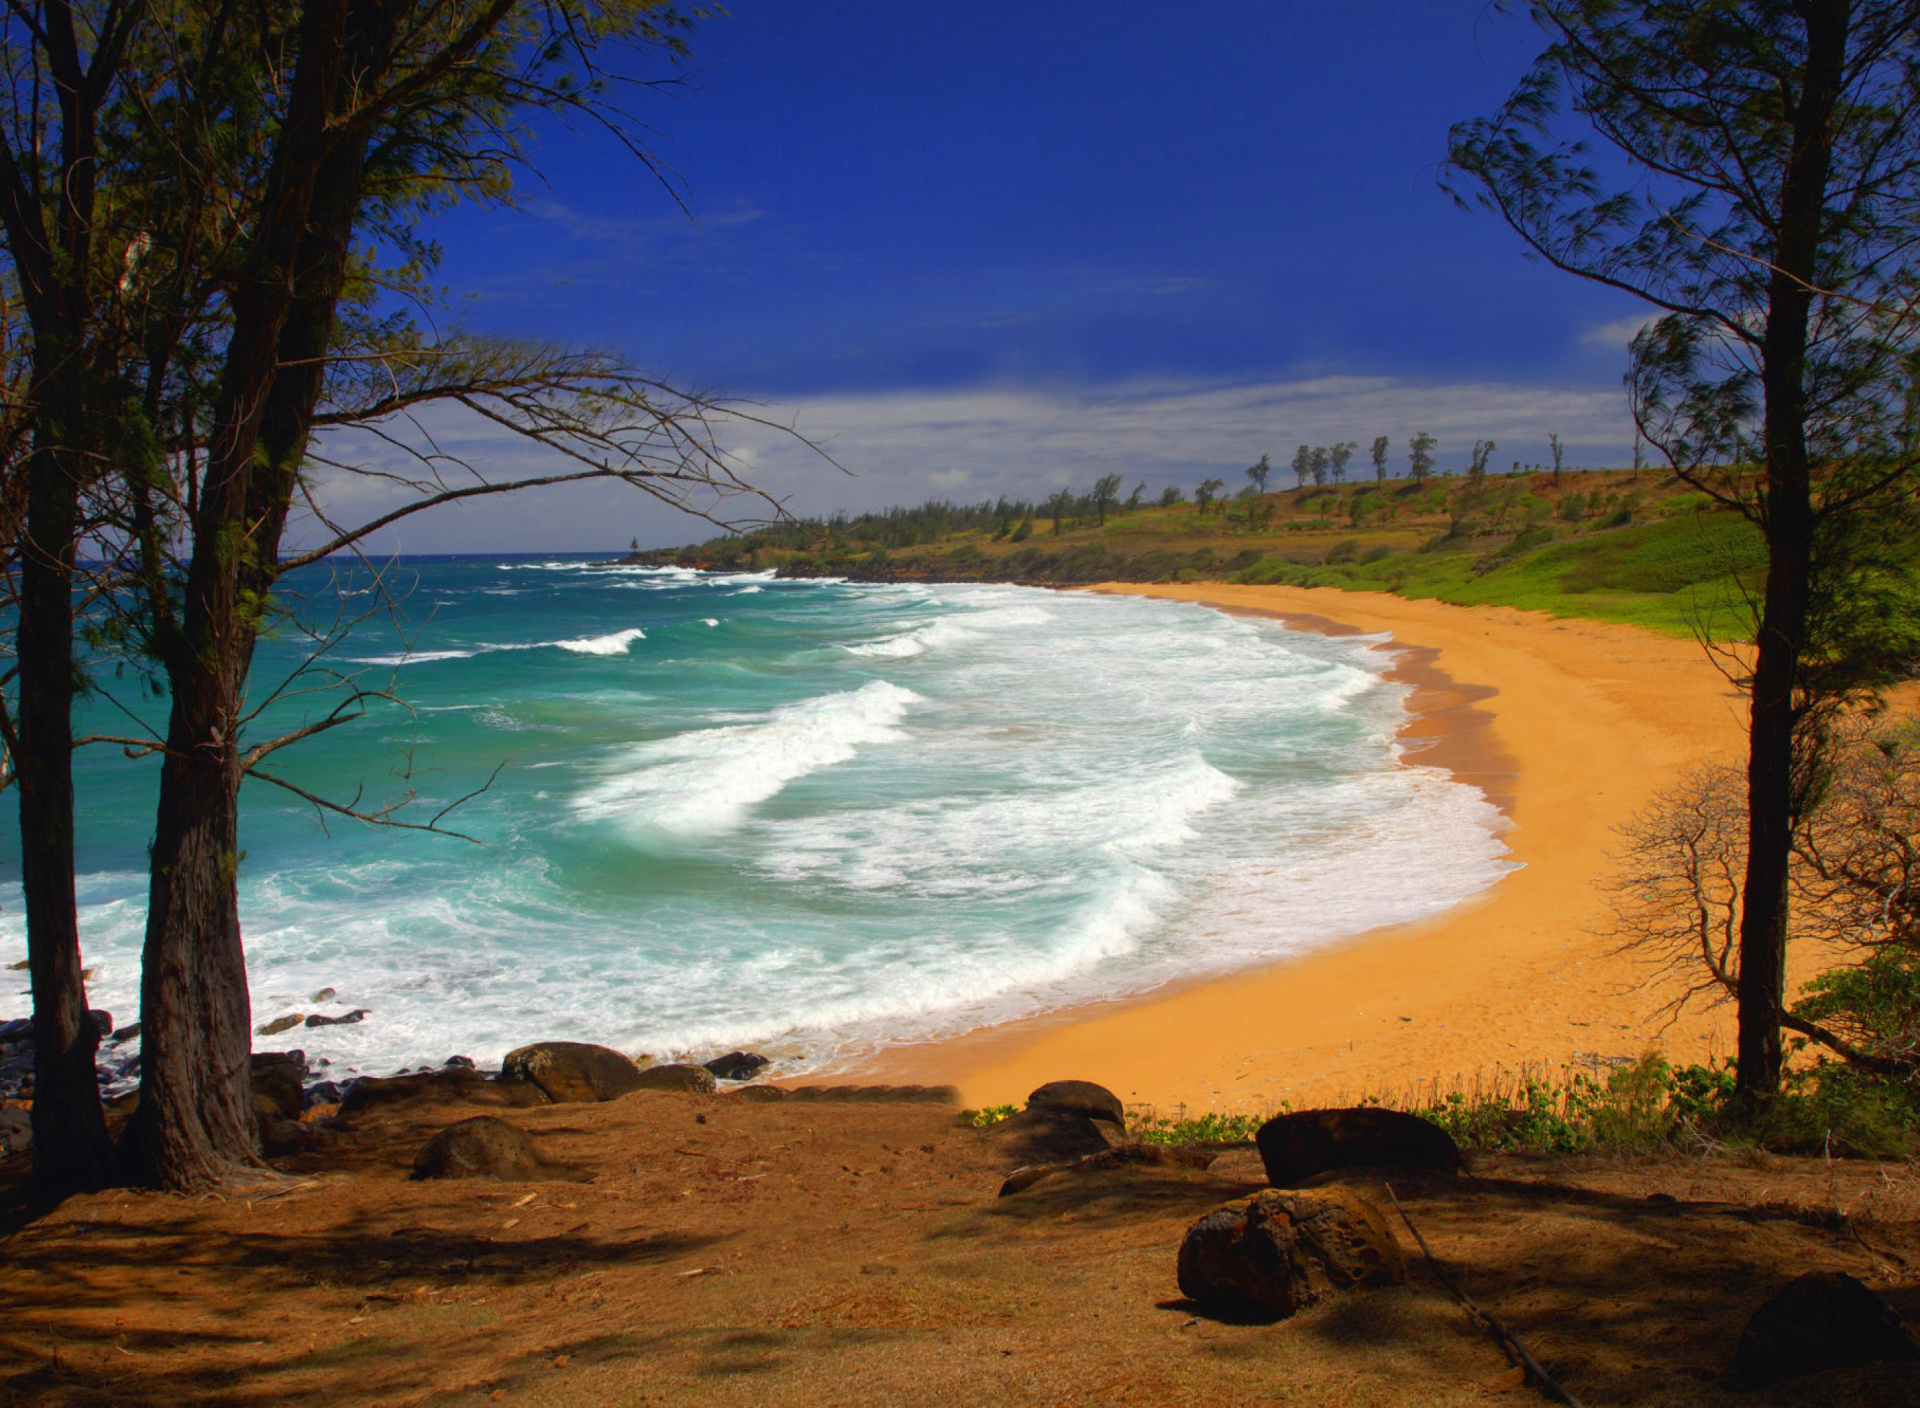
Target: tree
x=1321 y=461
x=1339 y=457
x=1302 y=466
x=1171 y=495
x=1258 y=473
x=1204 y=495
x=1106 y=493
x=1381 y=446
x=1420 y=455
x=1133 y=499
x=1477 y=465
x=1770 y=156
x=1059 y=505
x=1559 y=454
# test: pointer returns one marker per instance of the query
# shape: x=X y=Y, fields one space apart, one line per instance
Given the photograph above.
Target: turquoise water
x=810 y=818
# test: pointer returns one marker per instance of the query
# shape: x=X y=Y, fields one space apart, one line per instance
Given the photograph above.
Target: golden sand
x=1571 y=726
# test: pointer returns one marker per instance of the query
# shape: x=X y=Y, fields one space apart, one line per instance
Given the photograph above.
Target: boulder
x=694 y=1080
x=345 y=1019
x=19 y=1029
x=102 y=1022
x=281 y=1139
x=1053 y=1136
x=16 y=1130
x=575 y=1072
x=278 y=1078
x=1296 y=1148
x=280 y=1024
x=127 y=1033
x=1270 y=1255
x=736 y=1065
x=485 y=1147
x=1822 y=1320
x=1079 y=1097
x=454 y=1084
x=466 y=1061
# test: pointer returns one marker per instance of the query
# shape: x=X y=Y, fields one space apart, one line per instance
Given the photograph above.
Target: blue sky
x=1002 y=247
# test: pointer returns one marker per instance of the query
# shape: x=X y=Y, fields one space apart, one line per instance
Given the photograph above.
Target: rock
x=102 y=1022
x=16 y=1130
x=736 y=1065
x=761 y=1094
x=326 y=1092
x=1822 y=1320
x=277 y=1080
x=1079 y=1097
x=1053 y=1136
x=281 y=1024
x=485 y=1147
x=694 y=1080
x=572 y=1072
x=280 y=1138
x=453 y=1085
x=1272 y=1254
x=127 y=1033
x=18 y=1028
x=324 y=995
x=466 y=1061
x=346 y=1019
x=21 y=966
x=1134 y=1155
x=1295 y=1148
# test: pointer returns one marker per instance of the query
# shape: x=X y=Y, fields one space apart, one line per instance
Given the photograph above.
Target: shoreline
x=1568 y=726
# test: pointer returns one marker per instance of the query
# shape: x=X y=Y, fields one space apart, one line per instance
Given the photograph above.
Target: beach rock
x=16 y=1130
x=280 y=1139
x=1296 y=1148
x=326 y=1092
x=127 y=1033
x=485 y=1147
x=1822 y=1320
x=345 y=1019
x=324 y=995
x=573 y=1072
x=277 y=1080
x=761 y=1094
x=102 y=1023
x=19 y=1028
x=467 y=1061
x=1052 y=1136
x=1080 y=1097
x=280 y=1024
x=1125 y=1156
x=453 y=1085
x=1270 y=1255
x=736 y=1065
x=694 y=1080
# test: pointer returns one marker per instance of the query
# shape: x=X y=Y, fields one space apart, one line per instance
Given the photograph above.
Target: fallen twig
x=1505 y=1338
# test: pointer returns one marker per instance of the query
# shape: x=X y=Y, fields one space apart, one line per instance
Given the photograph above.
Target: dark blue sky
x=900 y=205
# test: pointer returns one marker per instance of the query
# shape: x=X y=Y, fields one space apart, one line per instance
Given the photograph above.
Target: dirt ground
x=826 y=1253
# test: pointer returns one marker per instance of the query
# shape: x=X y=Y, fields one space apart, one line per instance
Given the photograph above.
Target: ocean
x=807 y=818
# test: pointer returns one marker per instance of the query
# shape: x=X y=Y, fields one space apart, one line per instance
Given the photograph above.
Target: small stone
x=281 y=1024
x=1822 y=1320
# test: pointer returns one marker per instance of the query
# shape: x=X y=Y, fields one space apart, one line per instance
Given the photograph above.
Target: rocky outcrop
x=692 y=1080
x=486 y=1147
x=915 y=1094
x=737 y=1065
x=278 y=1081
x=1299 y=1148
x=453 y=1084
x=1822 y=1320
x=1270 y=1255
x=575 y=1072
x=1081 y=1097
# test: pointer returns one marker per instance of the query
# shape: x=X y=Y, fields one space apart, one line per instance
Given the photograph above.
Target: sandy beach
x=1570 y=727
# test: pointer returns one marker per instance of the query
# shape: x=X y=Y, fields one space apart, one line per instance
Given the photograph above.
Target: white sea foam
x=709 y=621
x=613 y=644
x=749 y=591
x=417 y=657
x=703 y=782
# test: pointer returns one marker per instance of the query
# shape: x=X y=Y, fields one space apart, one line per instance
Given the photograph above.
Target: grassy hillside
x=1612 y=545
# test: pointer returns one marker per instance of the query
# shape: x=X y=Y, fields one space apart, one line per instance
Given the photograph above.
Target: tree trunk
x=1782 y=636
x=70 y=1145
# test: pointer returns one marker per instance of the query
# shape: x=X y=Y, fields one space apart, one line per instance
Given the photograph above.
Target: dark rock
x=326 y=1092
x=466 y=1061
x=277 y=1080
x=102 y=1022
x=16 y=1029
x=345 y=1019
x=572 y=1072
x=16 y=1130
x=1296 y=1148
x=452 y=1085
x=127 y=1033
x=485 y=1147
x=1822 y=1320
x=1053 y=1136
x=694 y=1080
x=280 y=1024
x=281 y=1139
x=761 y=1094
x=736 y=1065
x=1125 y=1156
x=1079 y=1097
x=1270 y=1255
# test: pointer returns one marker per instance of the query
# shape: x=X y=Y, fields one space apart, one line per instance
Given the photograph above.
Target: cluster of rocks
x=114 y=1071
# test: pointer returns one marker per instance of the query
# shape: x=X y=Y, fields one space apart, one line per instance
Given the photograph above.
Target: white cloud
x=1614 y=336
x=902 y=447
